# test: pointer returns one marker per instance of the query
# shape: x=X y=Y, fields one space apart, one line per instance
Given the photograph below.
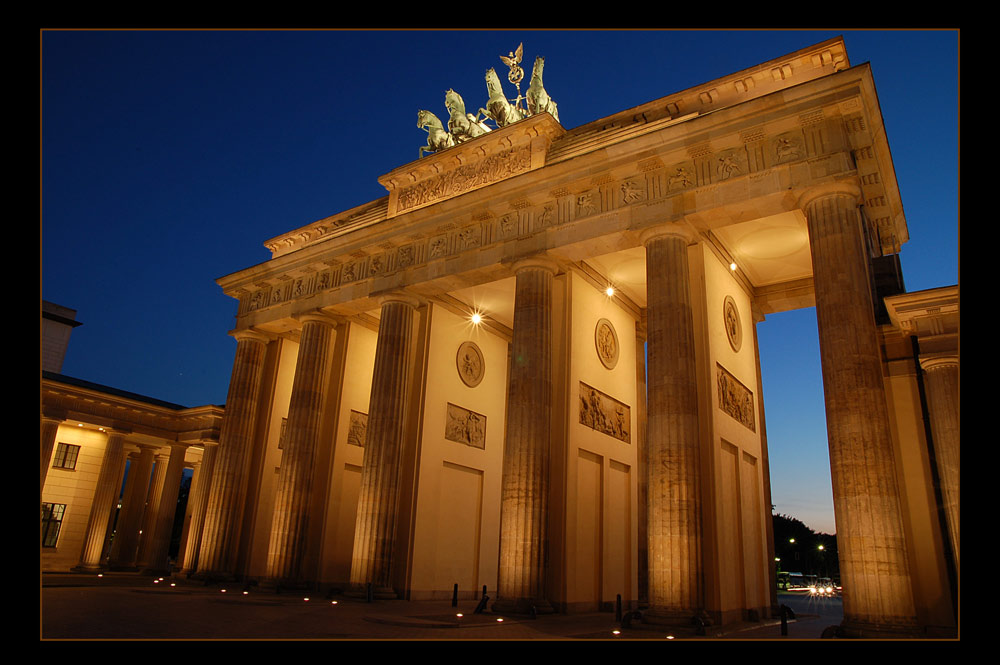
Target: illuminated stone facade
x=585 y=449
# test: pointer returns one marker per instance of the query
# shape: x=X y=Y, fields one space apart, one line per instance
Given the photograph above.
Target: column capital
x=319 y=316
x=49 y=417
x=838 y=188
x=672 y=229
x=250 y=335
x=401 y=297
x=537 y=262
x=938 y=361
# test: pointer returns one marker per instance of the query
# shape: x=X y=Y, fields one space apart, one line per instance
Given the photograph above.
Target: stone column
x=878 y=598
x=152 y=511
x=672 y=438
x=108 y=484
x=50 y=425
x=375 y=528
x=941 y=382
x=201 y=483
x=162 y=524
x=290 y=522
x=126 y=543
x=525 y=481
x=220 y=535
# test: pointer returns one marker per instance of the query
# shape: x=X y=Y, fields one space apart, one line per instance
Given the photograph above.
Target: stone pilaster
x=673 y=459
x=201 y=484
x=878 y=599
x=642 y=474
x=126 y=543
x=162 y=524
x=108 y=483
x=50 y=425
x=941 y=382
x=220 y=534
x=525 y=481
x=290 y=522
x=374 y=535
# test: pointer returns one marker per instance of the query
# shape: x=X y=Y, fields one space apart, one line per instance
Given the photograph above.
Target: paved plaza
x=122 y=606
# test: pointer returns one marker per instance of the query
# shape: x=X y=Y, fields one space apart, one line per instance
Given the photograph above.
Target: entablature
x=159 y=421
x=733 y=165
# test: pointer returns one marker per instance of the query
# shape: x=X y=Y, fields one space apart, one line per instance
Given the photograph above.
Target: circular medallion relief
x=471 y=366
x=606 y=340
x=731 y=319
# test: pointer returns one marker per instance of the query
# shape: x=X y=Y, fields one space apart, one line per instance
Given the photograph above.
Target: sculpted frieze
x=507 y=225
x=586 y=204
x=788 y=147
x=632 y=191
x=465 y=426
x=735 y=399
x=466 y=177
x=604 y=413
x=731 y=164
x=682 y=176
x=357 y=429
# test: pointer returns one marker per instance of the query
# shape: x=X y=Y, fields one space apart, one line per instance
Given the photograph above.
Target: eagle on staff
x=516 y=74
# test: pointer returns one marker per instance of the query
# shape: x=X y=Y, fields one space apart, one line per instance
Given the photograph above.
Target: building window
x=66 y=455
x=52 y=514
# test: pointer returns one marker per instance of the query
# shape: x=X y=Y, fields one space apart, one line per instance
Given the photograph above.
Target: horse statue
x=463 y=126
x=498 y=108
x=539 y=100
x=438 y=137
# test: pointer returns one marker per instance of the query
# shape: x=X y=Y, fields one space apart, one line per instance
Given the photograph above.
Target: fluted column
x=375 y=528
x=50 y=425
x=162 y=525
x=673 y=461
x=941 y=382
x=126 y=544
x=220 y=535
x=525 y=480
x=108 y=484
x=201 y=484
x=878 y=598
x=149 y=518
x=290 y=522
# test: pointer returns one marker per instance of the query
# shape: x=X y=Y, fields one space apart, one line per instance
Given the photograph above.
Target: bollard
x=786 y=612
x=618 y=609
x=484 y=589
x=482 y=604
x=454 y=596
x=369 y=595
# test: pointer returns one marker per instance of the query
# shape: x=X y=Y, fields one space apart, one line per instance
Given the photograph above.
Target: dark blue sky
x=169 y=157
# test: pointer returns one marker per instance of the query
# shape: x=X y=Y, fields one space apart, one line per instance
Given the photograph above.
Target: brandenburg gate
x=532 y=366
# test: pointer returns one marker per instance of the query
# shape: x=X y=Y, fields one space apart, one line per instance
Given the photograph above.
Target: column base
x=378 y=593
x=213 y=577
x=879 y=631
x=89 y=568
x=274 y=585
x=663 y=616
x=522 y=606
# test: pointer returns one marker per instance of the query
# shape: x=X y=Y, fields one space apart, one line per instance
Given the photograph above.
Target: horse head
x=536 y=71
x=493 y=83
x=454 y=102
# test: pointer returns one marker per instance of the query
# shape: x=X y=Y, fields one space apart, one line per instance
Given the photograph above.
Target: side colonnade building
x=533 y=367
x=111 y=469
